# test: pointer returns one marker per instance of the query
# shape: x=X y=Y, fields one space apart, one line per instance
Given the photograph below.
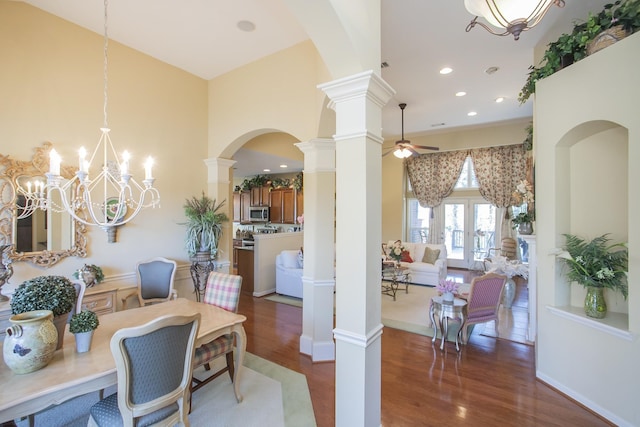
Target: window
x=467 y=179
x=417 y=221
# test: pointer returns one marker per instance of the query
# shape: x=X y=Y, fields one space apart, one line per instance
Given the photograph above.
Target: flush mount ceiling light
x=509 y=16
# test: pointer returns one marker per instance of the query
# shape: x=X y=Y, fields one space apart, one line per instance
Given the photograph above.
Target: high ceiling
x=419 y=37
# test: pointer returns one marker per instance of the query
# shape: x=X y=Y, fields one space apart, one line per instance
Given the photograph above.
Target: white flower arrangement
x=396 y=250
x=501 y=265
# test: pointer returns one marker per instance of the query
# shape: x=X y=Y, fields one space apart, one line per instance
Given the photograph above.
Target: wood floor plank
x=491 y=382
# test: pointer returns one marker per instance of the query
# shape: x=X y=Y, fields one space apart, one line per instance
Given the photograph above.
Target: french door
x=469 y=229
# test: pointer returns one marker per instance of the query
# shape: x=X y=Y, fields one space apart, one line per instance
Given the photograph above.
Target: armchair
x=288 y=274
x=483 y=302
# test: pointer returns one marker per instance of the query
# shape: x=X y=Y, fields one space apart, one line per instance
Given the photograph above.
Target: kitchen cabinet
x=283 y=206
x=288 y=206
x=275 y=213
x=241 y=206
x=245 y=268
x=260 y=196
x=299 y=203
x=237 y=243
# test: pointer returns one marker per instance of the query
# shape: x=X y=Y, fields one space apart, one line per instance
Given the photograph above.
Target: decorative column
x=219 y=179
x=358 y=101
x=318 y=275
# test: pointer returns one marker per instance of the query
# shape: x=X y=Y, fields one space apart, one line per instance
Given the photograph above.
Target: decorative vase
x=447 y=296
x=525 y=228
x=60 y=322
x=509 y=293
x=30 y=342
x=88 y=276
x=594 y=303
x=83 y=341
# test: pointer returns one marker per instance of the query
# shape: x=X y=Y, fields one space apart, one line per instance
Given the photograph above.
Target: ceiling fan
x=404 y=148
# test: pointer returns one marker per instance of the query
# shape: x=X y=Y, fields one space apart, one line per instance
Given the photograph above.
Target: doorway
x=469 y=230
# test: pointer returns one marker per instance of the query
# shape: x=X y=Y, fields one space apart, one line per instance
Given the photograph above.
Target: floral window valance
x=498 y=170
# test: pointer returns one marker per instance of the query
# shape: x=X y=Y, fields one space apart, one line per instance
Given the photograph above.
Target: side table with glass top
x=392 y=276
x=443 y=311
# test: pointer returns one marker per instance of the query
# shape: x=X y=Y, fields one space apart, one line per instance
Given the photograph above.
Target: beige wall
x=588 y=139
x=51 y=86
x=512 y=132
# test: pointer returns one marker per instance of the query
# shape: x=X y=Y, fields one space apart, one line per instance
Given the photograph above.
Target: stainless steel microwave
x=259 y=214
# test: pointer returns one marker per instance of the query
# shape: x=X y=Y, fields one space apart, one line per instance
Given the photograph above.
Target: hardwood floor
x=491 y=382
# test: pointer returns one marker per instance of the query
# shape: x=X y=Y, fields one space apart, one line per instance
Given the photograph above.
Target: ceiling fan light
x=398 y=153
x=509 y=16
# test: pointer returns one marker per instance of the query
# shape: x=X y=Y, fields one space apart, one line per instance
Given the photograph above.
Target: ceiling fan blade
x=388 y=152
x=413 y=152
x=426 y=147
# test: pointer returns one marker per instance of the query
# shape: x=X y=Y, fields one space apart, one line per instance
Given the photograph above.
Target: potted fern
x=204 y=226
x=82 y=326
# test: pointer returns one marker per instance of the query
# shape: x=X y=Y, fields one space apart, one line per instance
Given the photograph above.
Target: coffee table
x=392 y=276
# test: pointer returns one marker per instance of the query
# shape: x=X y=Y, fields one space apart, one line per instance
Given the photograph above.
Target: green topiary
x=85 y=321
x=55 y=293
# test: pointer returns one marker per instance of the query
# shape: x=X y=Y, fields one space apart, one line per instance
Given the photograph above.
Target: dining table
x=70 y=374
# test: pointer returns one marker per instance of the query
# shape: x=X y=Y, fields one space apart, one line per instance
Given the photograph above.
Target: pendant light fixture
x=111 y=198
x=508 y=16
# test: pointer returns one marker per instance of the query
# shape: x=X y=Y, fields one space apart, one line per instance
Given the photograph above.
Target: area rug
x=272 y=396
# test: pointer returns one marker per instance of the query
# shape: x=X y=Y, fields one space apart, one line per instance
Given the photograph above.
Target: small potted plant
x=523 y=221
x=82 y=326
x=596 y=265
x=90 y=274
x=55 y=293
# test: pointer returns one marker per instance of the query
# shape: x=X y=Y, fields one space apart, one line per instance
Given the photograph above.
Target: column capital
x=366 y=84
x=319 y=155
x=218 y=169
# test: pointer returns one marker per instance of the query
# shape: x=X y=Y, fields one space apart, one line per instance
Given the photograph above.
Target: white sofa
x=289 y=273
x=421 y=272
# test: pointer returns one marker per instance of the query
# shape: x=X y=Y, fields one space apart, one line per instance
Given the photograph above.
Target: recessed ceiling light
x=446 y=70
x=461 y=93
x=246 y=26
x=284 y=166
x=499 y=99
x=266 y=170
x=471 y=113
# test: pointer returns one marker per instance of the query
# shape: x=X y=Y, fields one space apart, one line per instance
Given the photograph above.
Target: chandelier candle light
x=509 y=16
x=104 y=200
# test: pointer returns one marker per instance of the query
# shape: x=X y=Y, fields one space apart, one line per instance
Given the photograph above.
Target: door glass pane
x=484 y=224
x=454 y=230
x=418 y=221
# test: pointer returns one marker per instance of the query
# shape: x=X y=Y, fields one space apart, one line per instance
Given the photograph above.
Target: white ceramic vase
x=447 y=296
x=509 y=293
x=83 y=341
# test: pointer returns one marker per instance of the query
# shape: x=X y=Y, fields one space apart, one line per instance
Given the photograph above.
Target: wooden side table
x=445 y=310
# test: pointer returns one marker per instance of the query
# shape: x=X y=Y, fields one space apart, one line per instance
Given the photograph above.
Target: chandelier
x=109 y=199
x=509 y=16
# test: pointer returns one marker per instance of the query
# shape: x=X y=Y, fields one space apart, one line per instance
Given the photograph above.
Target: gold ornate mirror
x=45 y=237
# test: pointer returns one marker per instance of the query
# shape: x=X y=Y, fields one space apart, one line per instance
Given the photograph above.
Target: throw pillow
x=430 y=255
x=405 y=257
